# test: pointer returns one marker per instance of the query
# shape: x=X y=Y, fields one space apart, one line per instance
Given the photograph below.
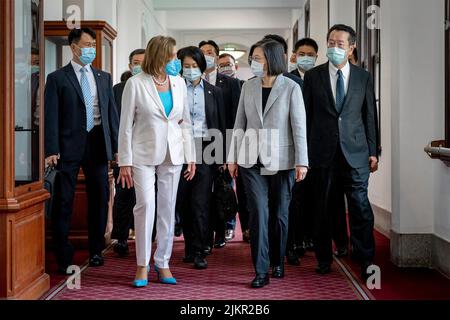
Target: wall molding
x=420 y=251
x=382 y=220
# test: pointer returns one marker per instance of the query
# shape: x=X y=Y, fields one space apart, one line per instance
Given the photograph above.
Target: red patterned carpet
x=227 y=278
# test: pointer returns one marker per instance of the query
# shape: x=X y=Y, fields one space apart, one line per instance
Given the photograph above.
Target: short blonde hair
x=158 y=53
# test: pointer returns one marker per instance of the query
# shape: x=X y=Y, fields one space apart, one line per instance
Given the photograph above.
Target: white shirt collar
x=345 y=70
x=77 y=67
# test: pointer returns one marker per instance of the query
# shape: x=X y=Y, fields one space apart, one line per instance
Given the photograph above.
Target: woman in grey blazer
x=269 y=146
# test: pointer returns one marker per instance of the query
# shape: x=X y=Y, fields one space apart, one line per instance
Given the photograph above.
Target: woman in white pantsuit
x=155 y=138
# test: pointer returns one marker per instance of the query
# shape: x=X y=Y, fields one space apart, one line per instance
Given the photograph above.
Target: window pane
x=26 y=86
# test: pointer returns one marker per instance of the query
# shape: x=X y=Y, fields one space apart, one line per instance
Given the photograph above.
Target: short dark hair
x=306 y=42
x=224 y=55
x=196 y=54
x=278 y=39
x=342 y=27
x=250 y=53
x=211 y=43
x=136 y=52
x=274 y=54
x=125 y=76
x=75 y=34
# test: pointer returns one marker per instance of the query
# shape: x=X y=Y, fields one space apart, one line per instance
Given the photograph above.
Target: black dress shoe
x=278 y=272
x=341 y=252
x=121 y=248
x=292 y=258
x=207 y=251
x=323 y=269
x=96 y=261
x=309 y=245
x=364 y=274
x=63 y=270
x=178 y=231
x=189 y=258
x=220 y=243
x=200 y=262
x=260 y=281
x=300 y=251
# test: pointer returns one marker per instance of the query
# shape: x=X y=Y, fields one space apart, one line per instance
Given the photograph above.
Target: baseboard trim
x=420 y=251
x=382 y=220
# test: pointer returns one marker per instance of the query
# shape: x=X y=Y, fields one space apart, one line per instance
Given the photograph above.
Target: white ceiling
x=225 y=4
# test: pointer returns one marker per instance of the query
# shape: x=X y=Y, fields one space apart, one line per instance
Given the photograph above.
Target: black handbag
x=224 y=196
x=52 y=185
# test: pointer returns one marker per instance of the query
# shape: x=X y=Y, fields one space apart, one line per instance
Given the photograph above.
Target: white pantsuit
x=153 y=143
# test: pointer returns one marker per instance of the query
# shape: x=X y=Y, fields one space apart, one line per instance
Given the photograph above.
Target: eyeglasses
x=339 y=44
x=88 y=45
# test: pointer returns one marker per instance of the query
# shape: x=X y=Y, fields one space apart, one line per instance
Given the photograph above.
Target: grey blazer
x=278 y=136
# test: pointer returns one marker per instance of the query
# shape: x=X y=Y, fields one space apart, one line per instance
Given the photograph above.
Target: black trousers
x=339 y=217
x=268 y=199
x=355 y=184
x=95 y=169
x=124 y=202
x=193 y=203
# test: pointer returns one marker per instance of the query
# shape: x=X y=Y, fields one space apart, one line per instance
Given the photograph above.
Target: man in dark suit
x=342 y=135
x=81 y=130
x=283 y=42
x=124 y=199
x=231 y=92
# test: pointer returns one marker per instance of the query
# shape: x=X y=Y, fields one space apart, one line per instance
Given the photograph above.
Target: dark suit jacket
x=118 y=92
x=65 y=114
x=231 y=91
x=354 y=129
x=215 y=109
x=294 y=77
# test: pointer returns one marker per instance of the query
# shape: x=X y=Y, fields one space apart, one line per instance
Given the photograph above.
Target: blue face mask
x=306 y=63
x=173 y=68
x=258 y=69
x=87 y=55
x=136 y=70
x=336 y=55
x=192 y=74
x=35 y=69
x=210 y=62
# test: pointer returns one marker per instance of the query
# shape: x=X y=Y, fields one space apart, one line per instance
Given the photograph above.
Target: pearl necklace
x=160 y=84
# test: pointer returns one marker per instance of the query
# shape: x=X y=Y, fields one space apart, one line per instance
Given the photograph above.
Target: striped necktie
x=88 y=99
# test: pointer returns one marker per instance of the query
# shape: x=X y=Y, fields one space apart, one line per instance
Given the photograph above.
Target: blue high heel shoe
x=165 y=280
x=143 y=282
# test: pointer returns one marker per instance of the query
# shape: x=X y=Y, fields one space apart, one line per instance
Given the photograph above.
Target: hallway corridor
x=230 y=272
x=227 y=278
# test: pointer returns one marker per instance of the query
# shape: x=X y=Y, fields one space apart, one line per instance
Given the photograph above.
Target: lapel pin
x=209 y=92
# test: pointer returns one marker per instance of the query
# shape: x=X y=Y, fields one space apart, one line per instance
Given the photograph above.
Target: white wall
x=229 y=19
x=138 y=22
x=343 y=12
x=380 y=190
x=420 y=197
x=319 y=26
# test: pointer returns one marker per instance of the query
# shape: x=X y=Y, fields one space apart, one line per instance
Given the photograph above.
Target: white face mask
x=228 y=71
x=210 y=62
x=258 y=69
x=292 y=66
x=192 y=74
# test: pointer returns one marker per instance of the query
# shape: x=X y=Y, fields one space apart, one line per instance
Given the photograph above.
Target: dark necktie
x=340 y=92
